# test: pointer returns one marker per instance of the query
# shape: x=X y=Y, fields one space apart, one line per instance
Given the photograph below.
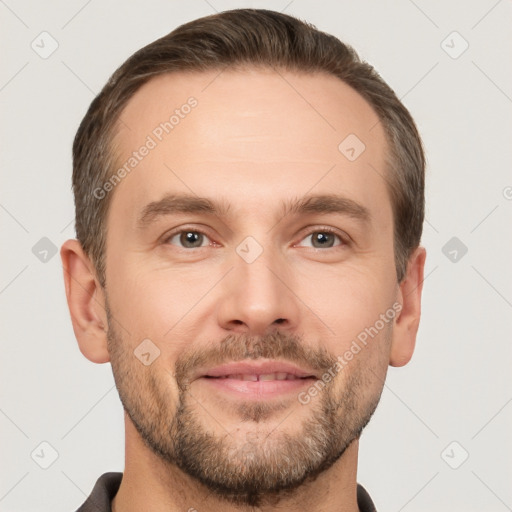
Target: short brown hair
x=236 y=39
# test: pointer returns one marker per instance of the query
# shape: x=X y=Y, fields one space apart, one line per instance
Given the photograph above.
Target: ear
x=86 y=302
x=408 y=320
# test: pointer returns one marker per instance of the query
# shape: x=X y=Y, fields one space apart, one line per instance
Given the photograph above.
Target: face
x=255 y=257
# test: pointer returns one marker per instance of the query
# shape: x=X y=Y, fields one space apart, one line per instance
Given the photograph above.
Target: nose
x=258 y=297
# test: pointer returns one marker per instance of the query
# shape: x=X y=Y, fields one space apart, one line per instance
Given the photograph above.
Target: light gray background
x=458 y=385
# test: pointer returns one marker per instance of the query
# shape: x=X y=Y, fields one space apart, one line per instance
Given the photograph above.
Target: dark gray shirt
x=108 y=484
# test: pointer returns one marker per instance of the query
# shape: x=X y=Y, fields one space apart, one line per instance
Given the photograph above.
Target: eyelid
x=344 y=238
x=170 y=234
x=307 y=231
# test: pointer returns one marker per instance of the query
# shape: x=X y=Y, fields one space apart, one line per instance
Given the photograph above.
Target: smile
x=259 y=377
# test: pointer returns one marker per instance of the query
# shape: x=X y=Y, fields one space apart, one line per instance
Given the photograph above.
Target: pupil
x=191 y=238
x=323 y=238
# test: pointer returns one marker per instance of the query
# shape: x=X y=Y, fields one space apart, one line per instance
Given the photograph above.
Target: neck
x=149 y=483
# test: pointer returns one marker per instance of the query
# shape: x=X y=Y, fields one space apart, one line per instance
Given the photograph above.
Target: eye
x=324 y=239
x=188 y=239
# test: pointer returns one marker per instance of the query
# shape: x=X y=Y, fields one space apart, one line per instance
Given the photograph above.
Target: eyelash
x=343 y=239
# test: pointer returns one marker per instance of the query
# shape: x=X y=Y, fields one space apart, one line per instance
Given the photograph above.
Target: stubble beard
x=265 y=466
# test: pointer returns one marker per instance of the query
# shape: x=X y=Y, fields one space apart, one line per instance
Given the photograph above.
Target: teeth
x=245 y=376
x=261 y=377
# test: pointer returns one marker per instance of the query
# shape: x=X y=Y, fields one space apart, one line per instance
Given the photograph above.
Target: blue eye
x=189 y=239
x=324 y=238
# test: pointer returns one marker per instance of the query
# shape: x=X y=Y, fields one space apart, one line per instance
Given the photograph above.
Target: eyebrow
x=181 y=203
x=326 y=203
x=172 y=204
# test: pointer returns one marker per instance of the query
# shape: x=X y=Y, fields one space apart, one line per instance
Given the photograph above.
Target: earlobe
x=408 y=320
x=86 y=302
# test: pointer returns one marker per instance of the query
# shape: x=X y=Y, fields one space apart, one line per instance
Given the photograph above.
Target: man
x=249 y=207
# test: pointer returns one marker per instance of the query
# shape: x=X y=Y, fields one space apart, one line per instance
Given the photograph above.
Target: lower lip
x=258 y=390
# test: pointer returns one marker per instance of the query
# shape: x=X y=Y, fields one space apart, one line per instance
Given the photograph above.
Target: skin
x=256 y=138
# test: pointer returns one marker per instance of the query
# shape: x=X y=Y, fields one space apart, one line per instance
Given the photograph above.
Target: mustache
x=239 y=347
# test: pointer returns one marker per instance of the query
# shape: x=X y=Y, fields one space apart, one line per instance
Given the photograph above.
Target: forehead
x=247 y=99
x=255 y=127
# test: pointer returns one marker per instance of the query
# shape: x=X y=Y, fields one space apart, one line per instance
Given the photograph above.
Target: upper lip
x=256 y=368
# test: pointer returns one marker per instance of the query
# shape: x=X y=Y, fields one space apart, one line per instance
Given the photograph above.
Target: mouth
x=257 y=380
x=254 y=377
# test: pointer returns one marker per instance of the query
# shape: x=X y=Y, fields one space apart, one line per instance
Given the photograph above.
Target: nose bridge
x=260 y=275
x=256 y=297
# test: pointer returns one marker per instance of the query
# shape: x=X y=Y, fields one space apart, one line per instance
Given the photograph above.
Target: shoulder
x=102 y=494
x=364 y=502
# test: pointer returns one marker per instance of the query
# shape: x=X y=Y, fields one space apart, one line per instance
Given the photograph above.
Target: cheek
x=347 y=299
x=155 y=303
x=362 y=367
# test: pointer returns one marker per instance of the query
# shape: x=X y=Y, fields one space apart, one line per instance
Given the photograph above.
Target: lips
x=259 y=371
x=254 y=377
x=253 y=380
